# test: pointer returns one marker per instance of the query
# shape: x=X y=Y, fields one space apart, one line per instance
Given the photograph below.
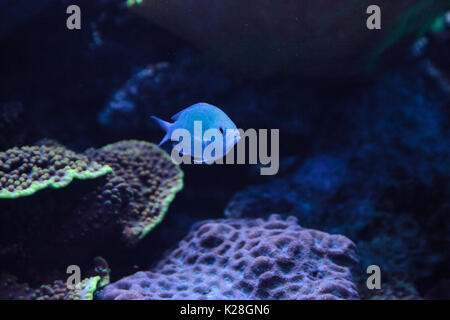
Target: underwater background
x=364 y=175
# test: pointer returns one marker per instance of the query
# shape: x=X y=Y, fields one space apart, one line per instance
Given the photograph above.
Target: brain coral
x=247 y=259
x=150 y=179
x=28 y=169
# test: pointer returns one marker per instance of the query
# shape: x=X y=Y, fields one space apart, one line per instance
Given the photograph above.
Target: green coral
x=405 y=26
x=28 y=169
x=102 y=269
x=131 y=3
x=152 y=177
x=438 y=24
x=11 y=289
x=85 y=289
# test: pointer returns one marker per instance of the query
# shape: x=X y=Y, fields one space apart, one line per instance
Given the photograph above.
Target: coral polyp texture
x=10 y=289
x=88 y=216
x=26 y=170
x=270 y=258
x=150 y=177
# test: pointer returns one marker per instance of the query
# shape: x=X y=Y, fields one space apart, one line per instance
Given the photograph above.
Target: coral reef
x=337 y=203
x=247 y=259
x=364 y=150
x=152 y=180
x=28 y=169
x=11 y=289
x=57 y=290
x=118 y=208
x=373 y=187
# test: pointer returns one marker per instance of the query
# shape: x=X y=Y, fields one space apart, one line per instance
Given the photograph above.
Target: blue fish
x=210 y=117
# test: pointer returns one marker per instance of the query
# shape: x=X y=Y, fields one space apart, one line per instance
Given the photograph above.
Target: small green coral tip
x=438 y=24
x=133 y=2
x=86 y=289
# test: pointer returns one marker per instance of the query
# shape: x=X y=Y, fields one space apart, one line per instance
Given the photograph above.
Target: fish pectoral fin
x=164 y=139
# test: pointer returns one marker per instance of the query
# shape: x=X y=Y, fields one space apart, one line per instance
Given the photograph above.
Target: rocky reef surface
x=387 y=186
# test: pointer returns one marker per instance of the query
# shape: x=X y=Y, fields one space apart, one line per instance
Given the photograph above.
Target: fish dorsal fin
x=177 y=115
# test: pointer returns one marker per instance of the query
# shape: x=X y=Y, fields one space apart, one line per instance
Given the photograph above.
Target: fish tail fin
x=166 y=137
x=165 y=126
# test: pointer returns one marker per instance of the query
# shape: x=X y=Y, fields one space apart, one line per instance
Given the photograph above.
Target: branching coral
x=28 y=169
x=248 y=259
